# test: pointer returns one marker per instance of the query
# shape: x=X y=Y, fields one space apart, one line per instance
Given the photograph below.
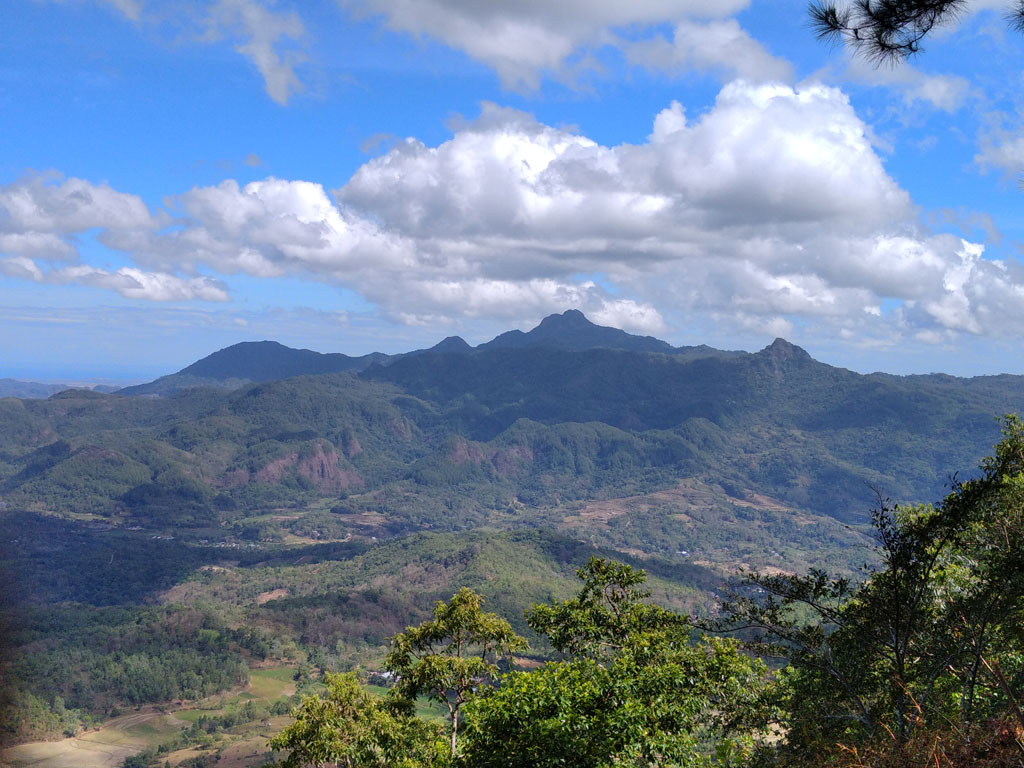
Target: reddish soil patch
x=274 y=594
x=505 y=460
x=320 y=467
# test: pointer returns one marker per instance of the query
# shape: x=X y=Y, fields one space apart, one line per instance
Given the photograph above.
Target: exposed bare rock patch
x=323 y=469
x=506 y=461
x=464 y=452
x=509 y=460
x=320 y=466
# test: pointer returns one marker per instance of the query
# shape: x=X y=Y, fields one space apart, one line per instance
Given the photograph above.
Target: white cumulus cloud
x=39 y=214
x=42 y=216
x=720 y=45
x=133 y=283
x=770 y=208
x=522 y=40
x=130 y=282
x=773 y=204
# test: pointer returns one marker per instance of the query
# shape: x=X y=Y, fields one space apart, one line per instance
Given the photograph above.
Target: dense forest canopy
x=919 y=663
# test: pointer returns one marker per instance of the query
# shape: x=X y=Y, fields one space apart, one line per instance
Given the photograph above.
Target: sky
x=355 y=175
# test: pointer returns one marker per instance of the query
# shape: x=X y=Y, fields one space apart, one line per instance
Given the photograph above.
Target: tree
x=451 y=656
x=352 y=728
x=633 y=690
x=888 y=31
x=982 y=590
x=856 y=660
x=609 y=612
x=931 y=637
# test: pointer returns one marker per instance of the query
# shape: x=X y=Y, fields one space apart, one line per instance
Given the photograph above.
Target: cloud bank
x=769 y=209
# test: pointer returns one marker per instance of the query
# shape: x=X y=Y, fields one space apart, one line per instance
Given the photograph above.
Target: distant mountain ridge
x=455 y=437
x=254 y=362
x=567 y=406
x=36 y=389
x=572 y=330
x=28 y=389
x=258 y=361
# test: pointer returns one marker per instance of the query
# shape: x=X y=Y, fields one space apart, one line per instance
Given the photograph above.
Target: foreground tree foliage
x=926 y=655
x=889 y=31
x=920 y=663
x=451 y=656
x=631 y=690
x=656 y=702
x=350 y=727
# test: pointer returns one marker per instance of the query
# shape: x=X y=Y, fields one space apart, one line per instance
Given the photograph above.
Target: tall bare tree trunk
x=455 y=729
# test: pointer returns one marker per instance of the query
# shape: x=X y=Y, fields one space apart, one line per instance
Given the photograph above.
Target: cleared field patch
x=129 y=734
x=193 y=715
x=272 y=683
x=362 y=519
x=104 y=748
x=247 y=750
x=265 y=687
x=274 y=594
x=68 y=753
x=689 y=496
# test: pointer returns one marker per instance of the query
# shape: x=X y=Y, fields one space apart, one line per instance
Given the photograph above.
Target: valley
x=269 y=509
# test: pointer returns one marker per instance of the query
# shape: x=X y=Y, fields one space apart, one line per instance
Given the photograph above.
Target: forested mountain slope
x=310 y=516
x=507 y=435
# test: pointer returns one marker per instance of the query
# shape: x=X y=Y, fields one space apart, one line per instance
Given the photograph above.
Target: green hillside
x=502 y=437
x=302 y=520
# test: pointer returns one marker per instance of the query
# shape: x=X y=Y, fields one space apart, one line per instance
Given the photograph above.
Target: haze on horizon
x=354 y=176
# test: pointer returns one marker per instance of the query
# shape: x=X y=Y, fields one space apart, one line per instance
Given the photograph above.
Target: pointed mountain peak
x=572 y=330
x=781 y=345
x=782 y=351
x=453 y=345
x=571 y=318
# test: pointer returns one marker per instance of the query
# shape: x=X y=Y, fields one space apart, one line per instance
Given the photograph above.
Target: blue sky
x=357 y=175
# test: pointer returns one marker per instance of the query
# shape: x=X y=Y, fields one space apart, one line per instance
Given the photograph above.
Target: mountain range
x=622 y=440
x=257 y=361
x=315 y=504
x=33 y=389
